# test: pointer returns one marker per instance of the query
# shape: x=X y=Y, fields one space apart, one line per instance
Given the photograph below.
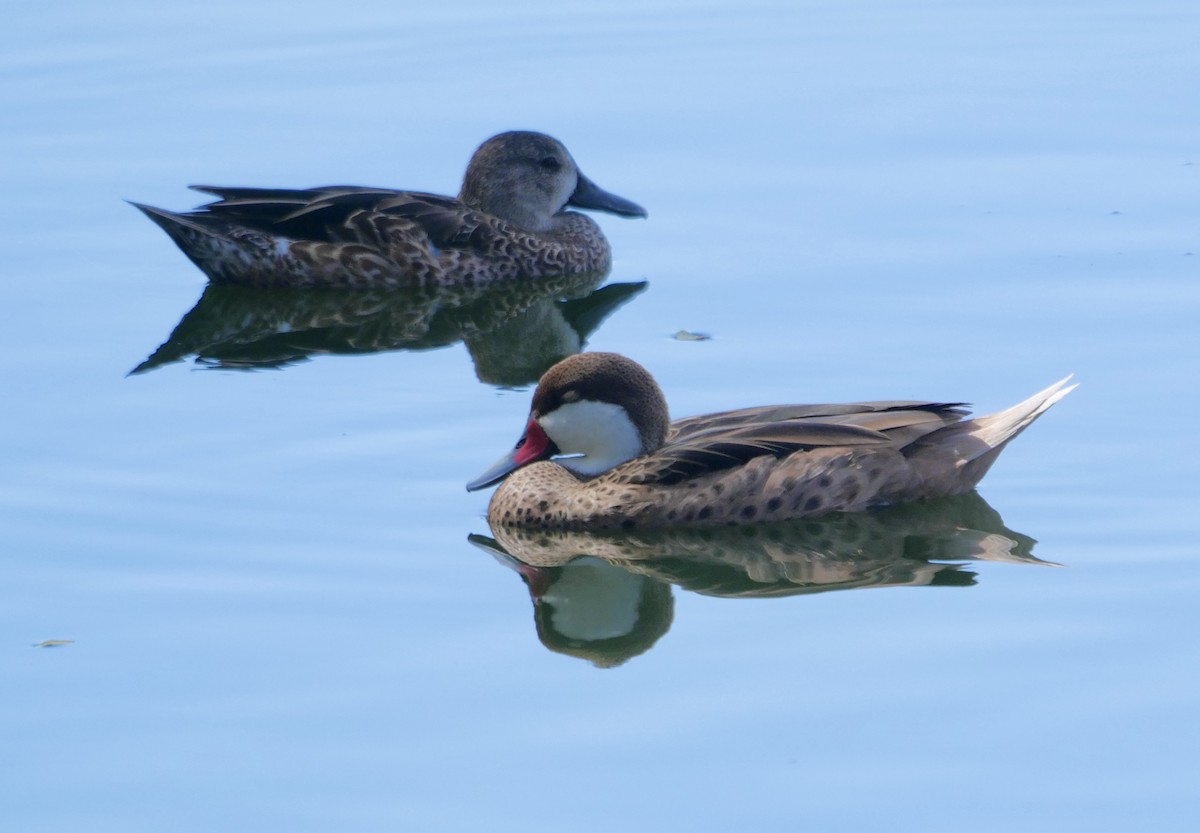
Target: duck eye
x=550 y=163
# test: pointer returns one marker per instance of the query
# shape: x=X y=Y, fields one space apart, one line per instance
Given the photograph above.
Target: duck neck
x=499 y=202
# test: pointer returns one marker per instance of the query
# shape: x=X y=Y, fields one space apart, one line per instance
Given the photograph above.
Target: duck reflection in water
x=606 y=596
x=513 y=332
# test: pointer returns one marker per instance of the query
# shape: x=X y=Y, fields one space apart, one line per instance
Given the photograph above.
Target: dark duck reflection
x=513 y=332
x=606 y=596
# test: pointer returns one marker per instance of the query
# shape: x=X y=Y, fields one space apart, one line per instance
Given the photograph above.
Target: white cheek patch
x=597 y=435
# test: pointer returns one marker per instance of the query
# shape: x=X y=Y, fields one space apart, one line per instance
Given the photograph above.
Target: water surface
x=261 y=553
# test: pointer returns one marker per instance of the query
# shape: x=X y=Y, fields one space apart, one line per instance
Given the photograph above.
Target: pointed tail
x=198 y=240
x=222 y=250
x=994 y=430
x=955 y=458
x=172 y=223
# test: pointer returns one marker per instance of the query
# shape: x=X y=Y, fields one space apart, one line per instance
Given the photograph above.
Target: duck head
x=526 y=178
x=591 y=411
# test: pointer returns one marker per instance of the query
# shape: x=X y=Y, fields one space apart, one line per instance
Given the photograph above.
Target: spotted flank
x=509 y=222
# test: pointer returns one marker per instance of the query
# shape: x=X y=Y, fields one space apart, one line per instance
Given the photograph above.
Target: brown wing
x=713 y=442
x=716 y=450
x=301 y=214
x=335 y=213
x=906 y=425
x=874 y=415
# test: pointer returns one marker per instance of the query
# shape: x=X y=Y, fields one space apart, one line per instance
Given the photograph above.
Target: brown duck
x=620 y=463
x=510 y=221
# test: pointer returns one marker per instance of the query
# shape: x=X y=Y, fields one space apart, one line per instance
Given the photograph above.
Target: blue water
x=276 y=619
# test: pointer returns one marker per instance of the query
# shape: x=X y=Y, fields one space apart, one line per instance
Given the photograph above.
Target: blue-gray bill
x=496 y=472
x=590 y=195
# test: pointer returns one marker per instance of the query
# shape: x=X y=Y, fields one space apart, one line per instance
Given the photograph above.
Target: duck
x=599 y=451
x=509 y=222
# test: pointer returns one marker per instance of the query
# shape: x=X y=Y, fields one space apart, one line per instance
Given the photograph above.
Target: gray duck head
x=526 y=178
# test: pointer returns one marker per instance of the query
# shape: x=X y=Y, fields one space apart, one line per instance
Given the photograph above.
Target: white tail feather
x=994 y=430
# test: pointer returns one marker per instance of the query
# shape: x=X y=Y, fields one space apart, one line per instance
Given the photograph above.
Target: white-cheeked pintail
x=599 y=452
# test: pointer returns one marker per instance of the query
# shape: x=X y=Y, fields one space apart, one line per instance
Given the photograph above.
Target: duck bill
x=590 y=195
x=537 y=579
x=534 y=445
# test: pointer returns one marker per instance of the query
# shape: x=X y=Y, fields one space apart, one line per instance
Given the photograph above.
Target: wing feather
x=714 y=442
x=324 y=214
x=718 y=450
x=897 y=411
